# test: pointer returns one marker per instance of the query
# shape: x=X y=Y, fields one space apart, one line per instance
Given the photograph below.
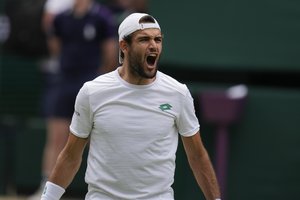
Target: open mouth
x=151 y=60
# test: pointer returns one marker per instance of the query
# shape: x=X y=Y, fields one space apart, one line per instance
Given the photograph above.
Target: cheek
x=135 y=56
x=138 y=51
x=160 y=49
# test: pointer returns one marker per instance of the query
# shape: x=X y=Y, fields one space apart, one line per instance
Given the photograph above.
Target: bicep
x=75 y=146
x=68 y=161
x=193 y=146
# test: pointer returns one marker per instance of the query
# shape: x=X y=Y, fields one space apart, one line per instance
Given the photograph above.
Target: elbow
x=70 y=161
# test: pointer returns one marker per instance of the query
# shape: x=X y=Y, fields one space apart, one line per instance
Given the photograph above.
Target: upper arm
x=187 y=121
x=193 y=146
x=82 y=120
x=68 y=161
x=75 y=146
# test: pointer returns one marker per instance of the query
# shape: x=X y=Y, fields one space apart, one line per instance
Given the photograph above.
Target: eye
x=143 y=39
x=158 y=39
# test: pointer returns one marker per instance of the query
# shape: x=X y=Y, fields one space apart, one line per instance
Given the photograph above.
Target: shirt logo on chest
x=165 y=106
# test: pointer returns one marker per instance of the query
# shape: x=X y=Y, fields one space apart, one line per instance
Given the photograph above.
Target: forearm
x=65 y=169
x=67 y=165
x=205 y=176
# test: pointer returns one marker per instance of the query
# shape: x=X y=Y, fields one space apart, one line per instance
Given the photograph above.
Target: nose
x=153 y=44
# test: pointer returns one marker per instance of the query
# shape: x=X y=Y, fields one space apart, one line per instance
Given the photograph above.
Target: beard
x=138 y=68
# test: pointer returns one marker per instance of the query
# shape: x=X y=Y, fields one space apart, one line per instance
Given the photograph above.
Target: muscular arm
x=68 y=161
x=201 y=166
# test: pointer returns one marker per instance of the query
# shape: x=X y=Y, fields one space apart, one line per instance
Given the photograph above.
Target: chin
x=152 y=73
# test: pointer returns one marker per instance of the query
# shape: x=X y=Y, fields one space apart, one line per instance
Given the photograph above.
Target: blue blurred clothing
x=81 y=37
x=80 y=57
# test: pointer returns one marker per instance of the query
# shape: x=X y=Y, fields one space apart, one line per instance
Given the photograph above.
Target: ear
x=123 y=45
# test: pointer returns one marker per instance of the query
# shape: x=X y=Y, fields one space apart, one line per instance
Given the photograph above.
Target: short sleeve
x=187 y=121
x=57 y=6
x=82 y=121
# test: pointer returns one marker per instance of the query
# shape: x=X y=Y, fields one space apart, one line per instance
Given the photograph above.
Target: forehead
x=152 y=32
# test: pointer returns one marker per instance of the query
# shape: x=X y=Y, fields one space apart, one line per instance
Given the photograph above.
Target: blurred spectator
x=26 y=37
x=52 y=8
x=133 y=5
x=84 y=38
x=122 y=8
x=4 y=28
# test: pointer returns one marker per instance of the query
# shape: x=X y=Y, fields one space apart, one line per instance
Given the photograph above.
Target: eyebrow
x=149 y=36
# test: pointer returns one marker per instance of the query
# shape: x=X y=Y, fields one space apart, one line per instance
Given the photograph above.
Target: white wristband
x=217 y=199
x=52 y=191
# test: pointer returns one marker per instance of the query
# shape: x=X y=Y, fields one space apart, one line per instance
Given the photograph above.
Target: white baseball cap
x=131 y=24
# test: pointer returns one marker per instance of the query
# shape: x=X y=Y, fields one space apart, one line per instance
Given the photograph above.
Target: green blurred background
x=209 y=45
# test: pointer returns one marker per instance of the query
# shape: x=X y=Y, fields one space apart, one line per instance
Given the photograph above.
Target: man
x=52 y=8
x=84 y=38
x=132 y=117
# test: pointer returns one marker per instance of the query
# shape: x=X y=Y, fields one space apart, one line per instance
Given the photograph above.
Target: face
x=82 y=4
x=144 y=53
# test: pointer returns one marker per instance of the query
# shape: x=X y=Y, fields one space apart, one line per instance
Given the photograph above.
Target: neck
x=132 y=78
x=81 y=7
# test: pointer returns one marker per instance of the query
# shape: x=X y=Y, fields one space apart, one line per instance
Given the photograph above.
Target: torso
x=134 y=137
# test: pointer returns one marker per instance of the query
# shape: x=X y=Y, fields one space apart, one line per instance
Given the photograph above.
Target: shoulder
x=172 y=84
x=57 y=6
x=101 y=83
x=63 y=15
x=104 y=17
x=101 y=10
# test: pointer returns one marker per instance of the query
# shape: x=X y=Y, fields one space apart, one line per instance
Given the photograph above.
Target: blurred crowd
x=73 y=41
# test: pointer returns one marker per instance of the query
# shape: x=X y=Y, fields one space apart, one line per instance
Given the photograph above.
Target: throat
x=133 y=77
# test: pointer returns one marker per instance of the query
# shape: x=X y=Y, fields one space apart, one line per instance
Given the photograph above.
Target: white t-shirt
x=57 y=6
x=133 y=133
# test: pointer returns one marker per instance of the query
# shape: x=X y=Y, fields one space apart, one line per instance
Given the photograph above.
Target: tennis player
x=132 y=118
